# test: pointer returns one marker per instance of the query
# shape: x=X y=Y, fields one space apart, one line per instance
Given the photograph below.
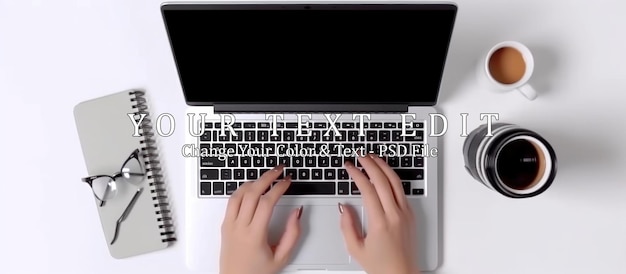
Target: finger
x=265 y=208
x=253 y=194
x=394 y=180
x=352 y=235
x=234 y=204
x=288 y=241
x=380 y=182
x=267 y=178
x=371 y=201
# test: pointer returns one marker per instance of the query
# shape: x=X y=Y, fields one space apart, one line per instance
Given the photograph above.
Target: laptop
x=353 y=69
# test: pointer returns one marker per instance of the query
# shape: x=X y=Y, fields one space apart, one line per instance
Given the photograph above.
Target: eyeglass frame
x=115 y=176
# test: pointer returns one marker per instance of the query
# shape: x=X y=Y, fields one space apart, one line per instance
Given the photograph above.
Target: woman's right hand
x=388 y=247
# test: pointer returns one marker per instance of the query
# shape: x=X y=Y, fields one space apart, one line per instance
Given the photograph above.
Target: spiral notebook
x=108 y=136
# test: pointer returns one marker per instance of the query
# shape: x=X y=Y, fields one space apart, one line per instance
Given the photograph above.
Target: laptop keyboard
x=314 y=162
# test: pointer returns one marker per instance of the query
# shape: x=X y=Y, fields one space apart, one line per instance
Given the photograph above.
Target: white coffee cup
x=508 y=66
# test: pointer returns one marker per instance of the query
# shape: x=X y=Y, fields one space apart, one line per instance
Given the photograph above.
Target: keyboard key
x=206 y=136
x=319 y=125
x=252 y=174
x=238 y=137
x=310 y=161
x=225 y=137
x=263 y=135
x=303 y=174
x=327 y=138
x=393 y=161
x=205 y=188
x=335 y=161
x=315 y=136
x=297 y=161
x=269 y=149
x=292 y=172
x=237 y=125
x=291 y=125
x=406 y=161
x=271 y=161
x=343 y=188
x=233 y=161
x=208 y=125
x=347 y=125
x=227 y=174
x=284 y=160
x=418 y=161
x=310 y=188
x=212 y=162
x=316 y=174
x=248 y=125
x=343 y=175
x=418 y=191
x=246 y=161
x=406 y=186
x=353 y=136
x=354 y=189
x=389 y=125
x=342 y=136
x=275 y=138
x=418 y=125
x=396 y=136
x=384 y=135
x=410 y=174
x=288 y=136
x=419 y=136
x=209 y=174
x=376 y=125
x=330 y=174
x=323 y=161
x=257 y=161
x=231 y=187
x=239 y=174
x=218 y=188
x=249 y=136
x=302 y=138
x=263 y=125
x=371 y=136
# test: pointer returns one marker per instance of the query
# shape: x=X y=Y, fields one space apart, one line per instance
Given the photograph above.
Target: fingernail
x=340 y=206
x=348 y=164
x=373 y=156
x=279 y=167
x=300 y=212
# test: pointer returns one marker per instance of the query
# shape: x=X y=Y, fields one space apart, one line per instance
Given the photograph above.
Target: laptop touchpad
x=321 y=242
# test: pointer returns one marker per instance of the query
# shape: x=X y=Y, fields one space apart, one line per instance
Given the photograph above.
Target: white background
x=55 y=54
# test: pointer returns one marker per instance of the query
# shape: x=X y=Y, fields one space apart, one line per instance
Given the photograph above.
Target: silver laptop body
x=314 y=64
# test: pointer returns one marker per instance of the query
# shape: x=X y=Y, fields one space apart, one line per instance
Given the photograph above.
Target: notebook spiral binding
x=153 y=168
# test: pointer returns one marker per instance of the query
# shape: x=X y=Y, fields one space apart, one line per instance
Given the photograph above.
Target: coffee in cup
x=508 y=66
x=516 y=162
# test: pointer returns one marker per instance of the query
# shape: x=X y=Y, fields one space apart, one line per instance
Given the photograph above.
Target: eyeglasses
x=104 y=187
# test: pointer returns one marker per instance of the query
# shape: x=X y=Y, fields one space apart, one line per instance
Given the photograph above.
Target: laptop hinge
x=310 y=108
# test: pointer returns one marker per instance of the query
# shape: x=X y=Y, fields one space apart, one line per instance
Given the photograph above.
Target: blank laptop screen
x=310 y=53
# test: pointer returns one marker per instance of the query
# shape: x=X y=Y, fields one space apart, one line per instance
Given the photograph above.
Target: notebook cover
x=106 y=136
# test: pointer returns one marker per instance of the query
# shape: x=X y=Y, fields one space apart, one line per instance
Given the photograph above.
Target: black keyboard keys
x=218 y=188
x=211 y=162
x=410 y=174
x=209 y=174
x=252 y=174
x=343 y=188
x=311 y=188
x=330 y=174
x=205 y=188
x=231 y=187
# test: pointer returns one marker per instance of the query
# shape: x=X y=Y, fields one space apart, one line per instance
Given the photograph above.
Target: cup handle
x=528 y=91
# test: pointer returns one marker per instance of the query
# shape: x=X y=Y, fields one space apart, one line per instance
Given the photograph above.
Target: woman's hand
x=245 y=248
x=388 y=247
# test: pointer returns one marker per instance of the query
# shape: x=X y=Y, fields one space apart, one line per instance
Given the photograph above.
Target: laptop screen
x=310 y=53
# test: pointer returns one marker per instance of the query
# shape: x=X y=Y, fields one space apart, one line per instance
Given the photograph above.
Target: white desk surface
x=54 y=54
